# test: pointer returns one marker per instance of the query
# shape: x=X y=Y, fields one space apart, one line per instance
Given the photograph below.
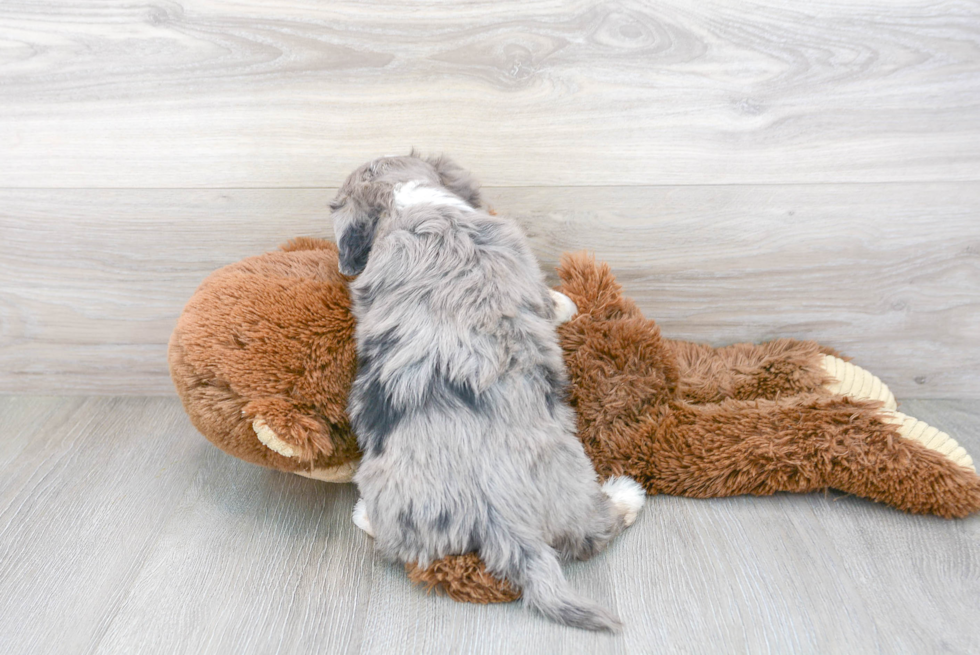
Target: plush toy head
x=263 y=357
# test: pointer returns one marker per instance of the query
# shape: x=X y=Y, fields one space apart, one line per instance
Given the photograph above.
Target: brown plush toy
x=263 y=357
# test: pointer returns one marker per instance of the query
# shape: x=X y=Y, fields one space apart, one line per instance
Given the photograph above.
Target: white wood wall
x=751 y=170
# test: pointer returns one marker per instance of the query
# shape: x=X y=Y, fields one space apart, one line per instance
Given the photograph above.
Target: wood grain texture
x=79 y=505
x=253 y=561
x=92 y=281
x=123 y=531
x=204 y=93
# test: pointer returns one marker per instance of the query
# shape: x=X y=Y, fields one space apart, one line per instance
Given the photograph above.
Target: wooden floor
x=123 y=531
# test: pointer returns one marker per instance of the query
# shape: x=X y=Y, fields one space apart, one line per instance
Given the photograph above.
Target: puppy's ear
x=456 y=179
x=355 y=219
x=354 y=244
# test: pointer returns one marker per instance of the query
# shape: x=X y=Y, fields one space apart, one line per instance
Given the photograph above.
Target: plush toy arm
x=289 y=430
x=800 y=445
x=747 y=371
x=696 y=372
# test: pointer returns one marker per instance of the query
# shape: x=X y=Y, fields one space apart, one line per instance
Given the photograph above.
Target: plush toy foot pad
x=627 y=496
x=342 y=473
x=339 y=474
x=930 y=437
x=271 y=440
x=854 y=381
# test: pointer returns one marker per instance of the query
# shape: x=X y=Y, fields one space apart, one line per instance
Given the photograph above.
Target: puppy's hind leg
x=627 y=497
x=615 y=509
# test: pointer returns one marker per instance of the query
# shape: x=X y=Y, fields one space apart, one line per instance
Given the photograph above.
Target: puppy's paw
x=627 y=496
x=565 y=309
x=360 y=517
x=272 y=441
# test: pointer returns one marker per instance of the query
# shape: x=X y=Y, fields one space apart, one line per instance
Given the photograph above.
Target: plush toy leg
x=744 y=371
x=807 y=444
x=772 y=370
x=930 y=437
x=846 y=379
x=298 y=435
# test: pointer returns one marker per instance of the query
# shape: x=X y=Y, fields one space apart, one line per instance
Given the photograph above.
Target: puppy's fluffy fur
x=459 y=403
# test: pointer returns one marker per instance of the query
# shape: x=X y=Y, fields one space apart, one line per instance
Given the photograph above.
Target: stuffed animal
x=263 y=357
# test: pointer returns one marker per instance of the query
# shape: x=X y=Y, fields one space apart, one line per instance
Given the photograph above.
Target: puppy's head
x=366 y=197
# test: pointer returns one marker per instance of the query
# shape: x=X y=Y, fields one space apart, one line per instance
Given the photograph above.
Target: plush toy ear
x=456 y=179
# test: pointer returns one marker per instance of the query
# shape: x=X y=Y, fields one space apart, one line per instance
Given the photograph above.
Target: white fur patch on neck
x=414 y=193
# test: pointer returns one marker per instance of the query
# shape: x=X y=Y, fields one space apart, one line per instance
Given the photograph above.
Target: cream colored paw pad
x=930 y=437
x=854 y=381
x=271 y=440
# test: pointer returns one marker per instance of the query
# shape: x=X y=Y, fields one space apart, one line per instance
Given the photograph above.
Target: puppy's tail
x=533 y=566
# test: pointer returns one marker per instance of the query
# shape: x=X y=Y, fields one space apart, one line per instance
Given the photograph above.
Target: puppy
x=459 y=399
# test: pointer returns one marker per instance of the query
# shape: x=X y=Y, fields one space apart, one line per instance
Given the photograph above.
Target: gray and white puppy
x=459 y=400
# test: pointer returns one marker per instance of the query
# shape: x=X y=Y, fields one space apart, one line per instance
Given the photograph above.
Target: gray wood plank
x=206 y=94
x=79 y=506
x=92 y=281
x=251 y=561
x=733 y=575
x=20 y=418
